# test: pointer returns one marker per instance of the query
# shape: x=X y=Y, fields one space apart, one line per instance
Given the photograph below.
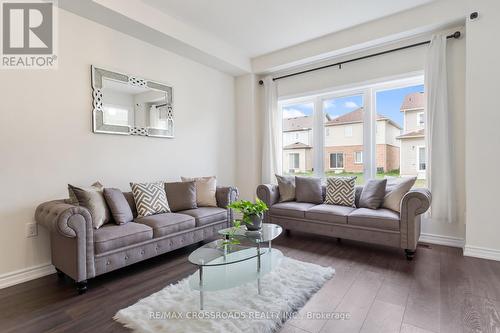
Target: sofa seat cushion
x=167 y=223
x=291 y=209
x=206 y=215
x=111 y=236
x=329 y=213
x=380 y=218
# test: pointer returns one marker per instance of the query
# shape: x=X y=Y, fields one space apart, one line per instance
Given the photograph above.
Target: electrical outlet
x=31 y=230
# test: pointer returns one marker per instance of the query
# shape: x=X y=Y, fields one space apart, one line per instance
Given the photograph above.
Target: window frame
x=355 y=157
x=292 y=157
x=336 y=160
x=418 y=158
x=420 y=124
x=368 y=90
x=348 y=131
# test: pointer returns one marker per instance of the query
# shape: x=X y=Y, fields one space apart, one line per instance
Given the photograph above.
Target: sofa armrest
x=269 y=193
x=225 y=195
x=72 y=237
x=57 y=217
x=413 y=204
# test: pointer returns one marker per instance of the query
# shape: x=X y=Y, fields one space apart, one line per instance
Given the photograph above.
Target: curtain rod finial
x=261 y=82
x=474 y=15
x=457 y=34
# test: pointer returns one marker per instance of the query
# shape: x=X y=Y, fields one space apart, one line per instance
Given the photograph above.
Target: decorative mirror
x=129 y=105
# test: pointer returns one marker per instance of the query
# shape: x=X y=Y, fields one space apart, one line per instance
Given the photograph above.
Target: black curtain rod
x=455 y=35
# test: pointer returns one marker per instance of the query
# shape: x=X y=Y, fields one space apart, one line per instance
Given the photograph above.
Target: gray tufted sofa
x=82 y=252
x=380 y=226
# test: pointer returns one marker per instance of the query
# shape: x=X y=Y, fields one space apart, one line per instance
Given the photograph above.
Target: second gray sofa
x=380 y=226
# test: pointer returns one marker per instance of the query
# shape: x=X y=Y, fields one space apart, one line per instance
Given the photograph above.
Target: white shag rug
x=176 y=307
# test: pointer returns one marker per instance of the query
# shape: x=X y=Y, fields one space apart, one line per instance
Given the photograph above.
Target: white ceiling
x=262 y=26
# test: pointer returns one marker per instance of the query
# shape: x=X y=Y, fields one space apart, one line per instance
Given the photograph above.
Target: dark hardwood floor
x=439 y=291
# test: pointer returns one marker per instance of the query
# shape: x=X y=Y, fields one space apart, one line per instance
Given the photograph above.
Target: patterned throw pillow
x=150 y=198
x=341 y=191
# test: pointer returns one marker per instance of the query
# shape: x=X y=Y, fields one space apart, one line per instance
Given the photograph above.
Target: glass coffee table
x=222 y=266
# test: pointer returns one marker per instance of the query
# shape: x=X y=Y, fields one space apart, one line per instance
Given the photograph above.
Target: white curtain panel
x=271 y=144
x=440 y=169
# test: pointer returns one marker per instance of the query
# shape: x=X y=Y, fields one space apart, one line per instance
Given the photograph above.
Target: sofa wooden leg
x=81 y=287
x=287 y=232
x=60 y=274
x=409 y=254
x=339 y=240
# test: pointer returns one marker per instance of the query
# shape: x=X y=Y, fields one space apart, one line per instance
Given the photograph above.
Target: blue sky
x=388 y=104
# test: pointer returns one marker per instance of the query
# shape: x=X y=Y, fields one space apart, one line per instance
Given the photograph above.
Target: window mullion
x=369 y=137
x=318 y=138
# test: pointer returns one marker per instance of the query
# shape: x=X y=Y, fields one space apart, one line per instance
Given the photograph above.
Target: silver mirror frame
x=98 y=124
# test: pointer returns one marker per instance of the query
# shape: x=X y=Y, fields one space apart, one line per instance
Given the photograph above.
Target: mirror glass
x=124 y=104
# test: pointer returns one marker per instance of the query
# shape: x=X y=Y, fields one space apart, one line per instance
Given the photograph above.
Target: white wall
x=482 y=134
x=48 y=141
x=248 y=144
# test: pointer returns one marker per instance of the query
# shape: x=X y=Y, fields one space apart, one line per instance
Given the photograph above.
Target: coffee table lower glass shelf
x=230 y=267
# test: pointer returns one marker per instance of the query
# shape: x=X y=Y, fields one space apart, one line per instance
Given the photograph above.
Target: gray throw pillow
x=150 y=198
x=308 y=189
x=181 y=195
x=373 y=194
x=93 y=199
x=129 y=196
x=286 y=185
x=341 y=191
x=118 y=205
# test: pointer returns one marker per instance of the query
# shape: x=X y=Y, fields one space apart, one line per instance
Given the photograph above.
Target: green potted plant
x=253 y=212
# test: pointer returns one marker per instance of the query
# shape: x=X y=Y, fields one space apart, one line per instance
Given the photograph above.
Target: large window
x=367 y=131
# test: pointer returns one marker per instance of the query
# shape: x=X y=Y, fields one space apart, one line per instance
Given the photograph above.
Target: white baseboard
x=481 y=252
x=25 y=274
x=442 y=240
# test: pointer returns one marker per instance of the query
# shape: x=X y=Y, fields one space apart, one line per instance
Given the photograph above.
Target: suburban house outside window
x=336 y=161
x=375 y=140
x=421 y=159
x=358 y=157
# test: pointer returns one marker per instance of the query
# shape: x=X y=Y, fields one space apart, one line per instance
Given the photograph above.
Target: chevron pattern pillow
x=150 y=198
x=341 y=191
